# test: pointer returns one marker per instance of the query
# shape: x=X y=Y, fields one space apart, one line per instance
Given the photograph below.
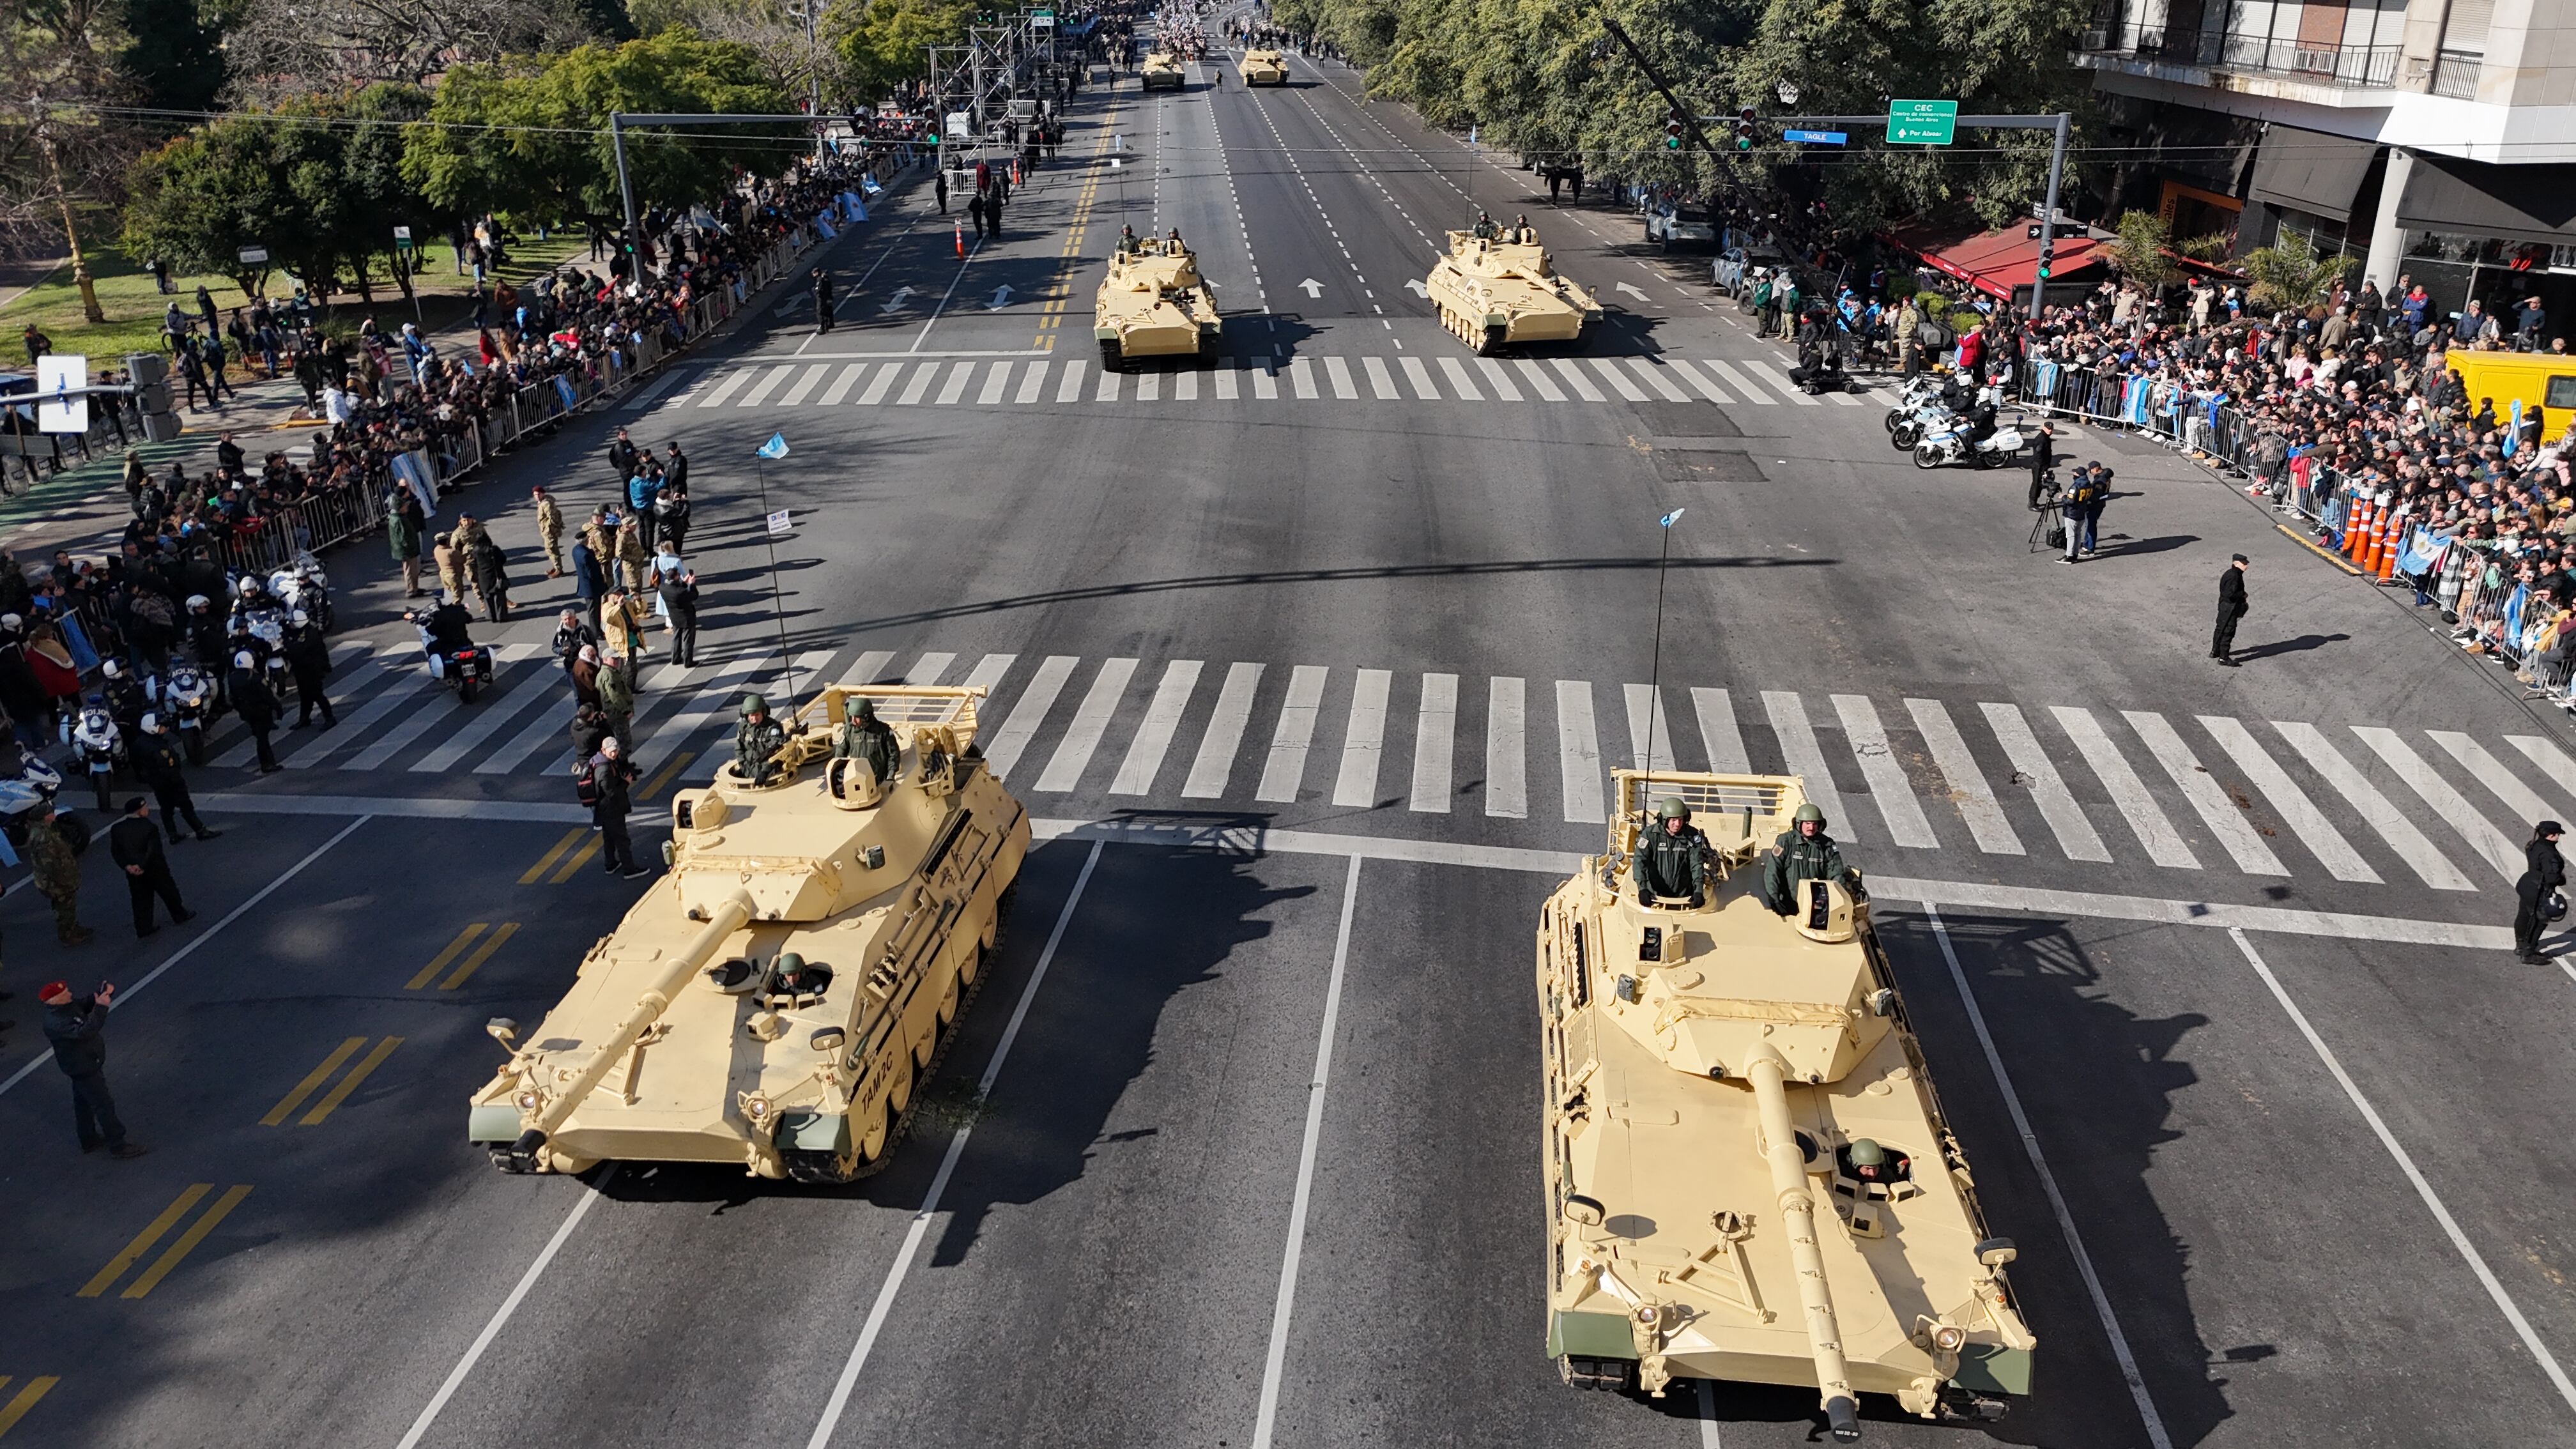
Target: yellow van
x=2540 y=379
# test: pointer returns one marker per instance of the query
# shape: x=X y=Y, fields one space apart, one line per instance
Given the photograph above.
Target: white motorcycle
x=24 y=794
x=1951 y=445
x=1907 y=427
x=303 y=585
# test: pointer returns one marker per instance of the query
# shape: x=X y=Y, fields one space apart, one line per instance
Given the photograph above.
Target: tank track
x=922 y=1079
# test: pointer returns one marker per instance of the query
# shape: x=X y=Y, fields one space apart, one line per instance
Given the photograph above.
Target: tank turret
x=1749 y=1175
x=777 y=996
x=1500 y=290
x=1154 y=303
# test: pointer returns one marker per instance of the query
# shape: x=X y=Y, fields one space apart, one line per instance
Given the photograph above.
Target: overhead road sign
x=1922 y=123
x=1816 y=138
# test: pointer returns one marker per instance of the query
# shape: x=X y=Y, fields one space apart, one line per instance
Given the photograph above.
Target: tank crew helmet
x=865 y=709
x=790 y=964
x=1807 y=812
x=1671 y=808
x=753 y=704
x=1865 y=1152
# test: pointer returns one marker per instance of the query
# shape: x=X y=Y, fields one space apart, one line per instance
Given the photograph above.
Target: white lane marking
x=1224 y=737
x=1546 y=386
x=1774 y=376
x=1578 y=753
x=1506 y=748
x=1888 y=787
x=2199 y=787
x=1651 y=373
x=1435 y=738
x=1718 y=733
x=492 y=716
x=1708 y=1415
x=2289 y=801
x=1302 y=373
x=1420 y=376
x=1032 y=382
x=645 y=399
x=1650 y=730
x=1576 y=379
x=1753 y=392
x=1337 y=371
x=883 y=382
x=1265 y=379
x=955 y=388
x=1149 y=387
x=591 y=1194
x=1364 y=740
x=1154 y=737
x=929 y=667
x=768 y=385
x=1969 y=791
x=997 y=380
x=988 y=671
x=2164 y=844
x=805 y=385
x=839 y=1401
x=1283 y=1309
x=2500 y=850
x=839 y=391
x=1185 y=386
x=923 y=375
x=1070 y=390
x=1090 y=721
x=1286 y=769
x=1108 y=389
x=1699 y=380
x=2119 y=1341
x=1459 y=382
x=2552 y=761
x=125 y=995
x=1381 y=381
x=1029 y=713
x=1807 y=759
x=2035 y=771
x=1499 y=380
x=420 y=721
x=2523 y=802
x=2400 y=833
x=2433 y=1203
x=733 y=380
x=869 y=668
x=1229 y=384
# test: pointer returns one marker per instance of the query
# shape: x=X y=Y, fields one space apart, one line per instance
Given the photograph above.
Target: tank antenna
x=775 y=524
x=1655 y=668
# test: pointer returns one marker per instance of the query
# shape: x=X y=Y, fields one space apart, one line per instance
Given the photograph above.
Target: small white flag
x=780 y=523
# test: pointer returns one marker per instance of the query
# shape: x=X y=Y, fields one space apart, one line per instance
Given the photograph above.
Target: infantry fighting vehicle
x=1153 y=303
x=1494 y=293
x=1748 y=1174
x=777 y=998
x=1162 y=69
x=1264 y=68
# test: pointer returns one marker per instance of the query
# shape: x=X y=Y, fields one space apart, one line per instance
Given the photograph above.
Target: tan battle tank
x=1494 y=293
x=1264 y=68
x=1162 y=69
x=1748 y=1174
x=1153 y=303
x=776 y=998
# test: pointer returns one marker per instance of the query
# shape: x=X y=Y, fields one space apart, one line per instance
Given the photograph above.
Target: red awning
x=2000 y=261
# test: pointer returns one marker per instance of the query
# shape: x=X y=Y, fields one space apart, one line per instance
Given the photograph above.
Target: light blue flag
x=776 y=447
x=2513 y=435
x=1669 y=519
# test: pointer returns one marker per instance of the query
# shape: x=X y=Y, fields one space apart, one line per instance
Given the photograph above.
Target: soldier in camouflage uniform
x=865 y=737
x=1803 y=854
x=757 y=741
x=58 y=876
x=1672 y=858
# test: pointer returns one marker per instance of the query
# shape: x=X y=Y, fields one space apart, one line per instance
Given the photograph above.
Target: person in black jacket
x=308 y=658
x=257 y=704
x=2544 y=871
x=822 y=301
x=680 y=601
x=2231 y=607
x=77 y=1028
x=616 y=779
x=2043 y=456
x=156 y=758
x=135 y=844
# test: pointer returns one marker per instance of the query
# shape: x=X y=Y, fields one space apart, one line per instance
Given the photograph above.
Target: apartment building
x=2434 y=138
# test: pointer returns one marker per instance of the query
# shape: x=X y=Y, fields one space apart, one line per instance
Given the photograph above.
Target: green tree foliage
x=883 y=43
x=176 y=58
x=2140 y=251
x=1544 y=76
x=2291 y=272
x=529 y=140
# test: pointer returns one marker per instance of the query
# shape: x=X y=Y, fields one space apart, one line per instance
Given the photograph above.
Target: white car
x=1668 y=227
x=1734 y=269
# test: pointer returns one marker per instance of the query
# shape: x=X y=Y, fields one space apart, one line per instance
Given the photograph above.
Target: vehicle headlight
x=756 y=1107
x=1949 y=1337
x=527 y=1100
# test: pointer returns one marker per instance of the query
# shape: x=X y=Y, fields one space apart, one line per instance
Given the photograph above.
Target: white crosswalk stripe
x=1154 y=737
x=2036 y=771
x=2164 y=844
x=1987 y=824
x=1751 y=391
x=1215 y=763
x=1888 y=788
x=1381 y=381
x=1435 y=737
x=2219 y=813
x=2375 y=809
x=1364 y=739
x=1650 y=730
x=1507 y=748
x=1578 y=753
x=805 y=384
x=2289 y=801
x=1420 y=376
x=2520 y=800
x=1286 y=769
x=1798 y=745
x=1718 y=733
x=1013 y=732
x=1337 y=371
x=1090 y=722
x=2500 y=850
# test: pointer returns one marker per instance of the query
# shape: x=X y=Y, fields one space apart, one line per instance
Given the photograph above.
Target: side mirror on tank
x=1996 y=1252
x=503 y=1030
x=1584 y=1211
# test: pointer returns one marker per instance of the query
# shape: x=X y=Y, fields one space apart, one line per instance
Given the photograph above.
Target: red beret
x=52 y=991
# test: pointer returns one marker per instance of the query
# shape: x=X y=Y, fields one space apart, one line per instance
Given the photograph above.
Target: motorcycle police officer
x=124 y=695
x=757 y=741
x=1672 y=859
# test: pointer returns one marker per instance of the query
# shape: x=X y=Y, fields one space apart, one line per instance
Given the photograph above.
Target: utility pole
x=90 y=309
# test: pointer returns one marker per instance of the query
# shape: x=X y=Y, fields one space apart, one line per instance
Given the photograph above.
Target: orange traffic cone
x=961 y=239
x=2396 y=545
x=2356 y=526
x=2377 y=543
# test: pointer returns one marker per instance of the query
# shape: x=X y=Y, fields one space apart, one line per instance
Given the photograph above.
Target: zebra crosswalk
x=2269 y=799
x=1406 y=379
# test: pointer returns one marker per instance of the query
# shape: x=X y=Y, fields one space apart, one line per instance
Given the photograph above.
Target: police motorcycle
x=1918 y=392
x=1957 y=443
x=454 y=659
x=259 y=625
x=97 y=743
x=303 y=585
x=25 y=795
x=1940 y=408
x=188 y=699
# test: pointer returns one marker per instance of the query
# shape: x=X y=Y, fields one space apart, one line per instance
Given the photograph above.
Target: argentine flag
x=775 y=448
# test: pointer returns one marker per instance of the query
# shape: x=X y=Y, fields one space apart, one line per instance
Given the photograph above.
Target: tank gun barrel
x=727 y=917
x=1769 y=1073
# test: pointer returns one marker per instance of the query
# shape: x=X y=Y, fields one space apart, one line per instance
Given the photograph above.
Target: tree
x=281 y=48
x=2141 y=251
x=201 y=198
x=884 y=43
x=58 y=155
x=176 y=57
x=2292 y=273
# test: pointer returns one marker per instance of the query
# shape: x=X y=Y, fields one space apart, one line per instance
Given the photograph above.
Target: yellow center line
x=482 y=953
x=285 y=1108
x=678 y=763
x=580 y=858
x=187 y=1242
x=455 y=948
x=144 y=1240
x=349 y=1083
x=25 y=1399
x=571 y=837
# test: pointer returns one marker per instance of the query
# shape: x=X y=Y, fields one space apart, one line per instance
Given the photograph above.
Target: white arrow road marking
x=1420 y=288
x=894 y=303
x=1314 y=289
x=1632 y=291
x=1001 y=298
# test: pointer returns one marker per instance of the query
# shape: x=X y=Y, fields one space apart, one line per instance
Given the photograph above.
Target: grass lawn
x=134 y=305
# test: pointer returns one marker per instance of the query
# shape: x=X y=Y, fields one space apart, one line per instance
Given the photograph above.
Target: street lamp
x=1788 y=92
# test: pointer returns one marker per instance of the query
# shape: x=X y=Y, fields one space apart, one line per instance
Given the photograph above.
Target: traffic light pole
x=1680 y=112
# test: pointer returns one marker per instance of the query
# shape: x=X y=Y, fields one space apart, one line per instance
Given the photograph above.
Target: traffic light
x=1744 y=129
x=1673 y=134
x=2047 y=254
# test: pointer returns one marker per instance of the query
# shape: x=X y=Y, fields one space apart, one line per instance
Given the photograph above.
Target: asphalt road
x=1311 y=663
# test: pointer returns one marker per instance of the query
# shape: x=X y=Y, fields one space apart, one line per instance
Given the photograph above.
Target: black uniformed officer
x=2544 y=871
x=1672 y=859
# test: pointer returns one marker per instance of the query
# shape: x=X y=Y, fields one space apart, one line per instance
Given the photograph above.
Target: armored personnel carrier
x=1153 y=303
x=777 y=998
x=1748 y=1175
x=1162 y=71
x=1264 y=68
x=1495 y=292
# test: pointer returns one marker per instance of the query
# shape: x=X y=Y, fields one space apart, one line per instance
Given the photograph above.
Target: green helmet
x=789 y=963
x=865 y=709
x=1671 y=808
x=753 y=704
x=1808 y=812
x=1865 y=1153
